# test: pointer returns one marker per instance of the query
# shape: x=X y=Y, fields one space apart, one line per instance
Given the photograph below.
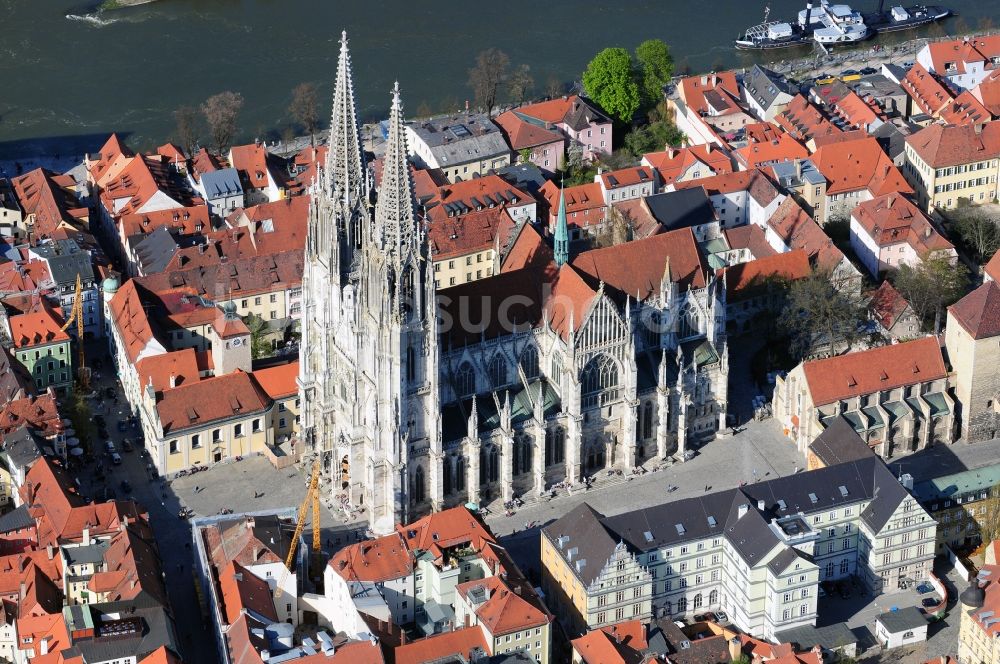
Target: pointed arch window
x=460 y=474
x=647 y=420
x=411 y=364
x=494 y=464
x=690 y=322
x=600 y=381
x=498 y=371
x=419 y=488
x=559 y=446
x=447 y=475
x=465 y=380
x=529 y=362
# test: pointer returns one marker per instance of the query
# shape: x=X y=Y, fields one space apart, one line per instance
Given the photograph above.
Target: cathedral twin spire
x=395 y=220
x=344 y=163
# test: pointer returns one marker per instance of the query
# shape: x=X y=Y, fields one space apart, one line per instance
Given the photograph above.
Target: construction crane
x=312 y=498
x=76 y=315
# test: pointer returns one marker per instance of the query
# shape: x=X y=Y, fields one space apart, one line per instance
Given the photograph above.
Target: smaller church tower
x=561 y=248
x=230 y=342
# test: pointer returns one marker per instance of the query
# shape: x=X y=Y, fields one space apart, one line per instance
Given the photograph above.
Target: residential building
x=889 y=231
x=222 y=190
x=464 y=248
x=626 y=183
x=855 y=171
x=758 y=553
x=43 y=348
x=49 y=204
x=973 y=326
x=743 y=197
x=708 y=106
x=68 y=263
x=259 y=173
x=965 y=109
x=964 y=62
x=442 y=571
x=766 y=92
x=755 y=290
x=11 y=214
x=945 y=163
x=959 y=502
x=927 y=94
x=897 y=397
x=988 y=93
x=766 y=146
x=688 y=163
x=462 y=146
x=894 y=316
x=451 y=201
x=533 y=140
x=586 y=210
x=803 y=181
x=901 y=627
x=585 y=126
x=805 y=123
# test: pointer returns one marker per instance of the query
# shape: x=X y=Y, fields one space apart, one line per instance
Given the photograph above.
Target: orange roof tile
x=962 y=51
x=626 y=177
x=278 y=381
x=965 y=109
x=161 y=655
x=470 y=233
x=579 y=198
x=24 y=276
x=49 y=197
x=528 y=249
x=926 y=91
x=488 y=191
x=504 y=611
x=183 y=220
x=107 y=157
x=252 y=161
x=693 y=88
x=763 y=153
x=137 y=184
x=993 y=267
x=563 y=110
x=672 y=163
x=445 y=529
x=892 y=219
x=39 y=326
x=51 y=628
x=979 y=311
x=179 y=366
x=804 y=121
x=874 y=370
x=598 y=647
x=242 y=589
x=746 y=279
x=130 y=317
x=857 y=112
x=941 y=146
x=887 y=305
x=800 y=231
x=988 y=92
x=41 y=413
x=375 y=561
x=859 y=164
x=460 y=642
x=198 y=404
x=522 y=134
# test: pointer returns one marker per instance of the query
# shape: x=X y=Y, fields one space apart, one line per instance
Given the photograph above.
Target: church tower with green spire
x=561 y=249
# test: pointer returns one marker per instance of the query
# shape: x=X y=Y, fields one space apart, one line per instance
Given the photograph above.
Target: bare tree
x=989 y=517
x=617 y=229
x=188 y=127
x=491 y=70
x=520 y=83
x=305 y=108
x=424 y=110
x=554 y=87
x=221 y=112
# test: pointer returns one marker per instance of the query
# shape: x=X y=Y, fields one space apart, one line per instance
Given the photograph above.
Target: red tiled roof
x=763 y=153
x=892 y=219
x=858 y=112
x=158 y=370
x=49 y=197
x=470 y=233
x=874 y=370
x=444 y=529
x=887 y=305
x=251 y=160
x=993 y=267
x=804 y=121
x=522 y=134
x=952 y=145
x=198 y=404
x=979 y=311
x=626 y=177
x=528 y=249
x=459 y=642
x=143 y=178
x=926 y=91
x=556 y=110
x=184 y=221
x=475 y=194
x=278 y=381
x=41 y=325
x=962 y=51
x=637 y=268
x=672 y=163
x=725 y=183
x=242 y=589
x=598 y=647
x=51 y=628
x=161 y=656
x=41 y=413
x=750 y=236
x=375 y=561
x=234 y=279
x=965 y=109
x=237 y=540
x=504 y=611
x=693 y=88
x=173 y=153
x=110 y=151
x=578 y=198
x=799 y=231
x=131 y=320
x=744 y=280
x=859 y=164
x=24 y=276
x=988 y=92
x=203 y=162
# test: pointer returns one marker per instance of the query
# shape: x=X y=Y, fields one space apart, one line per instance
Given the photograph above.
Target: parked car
x=928 y=602
x=110 y=446
x=127 y=445
x=116 y=458
x=868 y=71
x=126 y=487
x=925 y=588
x=721 y=617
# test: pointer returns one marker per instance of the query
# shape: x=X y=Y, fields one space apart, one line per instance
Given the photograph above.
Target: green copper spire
x=562 y=231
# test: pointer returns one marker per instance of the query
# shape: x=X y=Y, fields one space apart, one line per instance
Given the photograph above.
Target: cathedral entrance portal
x=345 y=473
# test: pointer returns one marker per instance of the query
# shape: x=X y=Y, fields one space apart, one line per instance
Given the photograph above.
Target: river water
x=69 y=75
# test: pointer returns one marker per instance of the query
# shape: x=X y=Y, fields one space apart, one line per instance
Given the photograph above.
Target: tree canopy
x=491 y=71
x=221 y=112
x=818 y=316
x=610 y=81
x=305 y=108
x=931 y=286
x=655 y=67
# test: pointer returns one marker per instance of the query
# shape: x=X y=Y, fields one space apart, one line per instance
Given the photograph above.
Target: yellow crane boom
x=76 y=316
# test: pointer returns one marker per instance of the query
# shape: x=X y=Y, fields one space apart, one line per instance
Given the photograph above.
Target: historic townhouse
x=43 y=348
x=757 y=553
x=958 y=502
x=971 y=334
x=979 y=628
x=889 y=231
x=555 y=367
x=945 y=163
x=897 y=397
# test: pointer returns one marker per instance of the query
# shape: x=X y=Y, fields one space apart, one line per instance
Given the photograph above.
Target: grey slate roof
x=157 y=630
x=681 y=209
x=701 y=517
x=765 y=86
x=839 y=443
x=66 y=260
x=829 y=637
x=526 y=177
x=783 y=561
x=221 y=183
x=581 y=114
x=891 y=138
x=93 y=553
x=903 y=619
x=461 y=138
x=16 y=520
x=154 y=251
x=592 y=541
x=22 y=447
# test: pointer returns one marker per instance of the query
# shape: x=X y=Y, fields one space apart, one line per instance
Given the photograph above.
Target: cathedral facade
x=555 y=368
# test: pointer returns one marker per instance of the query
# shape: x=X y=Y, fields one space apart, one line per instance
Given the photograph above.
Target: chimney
x=671 y=153
x=173 y=381
x=798 y=169
x=715 y=80
x=86 y=536
x=742 y=510
x=704 y=79
x=890 y=201
x=927 y=232
x=22 y=592
x=761 y=505
x=43 y=646
x=735 y=649
x=49 y=551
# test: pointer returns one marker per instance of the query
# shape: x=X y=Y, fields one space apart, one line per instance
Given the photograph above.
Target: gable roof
x=800 y=231
x=859 y=164
x=840 y=443
x=522 y=131
x=674 y=162
x=40 y=326
x=965 y=109
x=887 y=305
x=693 y=89
x=803 y=121
x=891 y=219
x=927 y=92
x=374 y=561
x=198 y=404
x=940 y=146
x=874 y=370
x=582 y=532
x=471 y=233
x=574 y=111
x=979 y=311
x=745 y=280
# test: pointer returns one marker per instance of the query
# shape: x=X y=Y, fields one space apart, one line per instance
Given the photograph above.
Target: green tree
x=259 y=346
x=610 y=81
x=655 y=66
x=931 y=286
x=817 y=315
x=659 y=133
x=83 y=419
x=188 y=128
